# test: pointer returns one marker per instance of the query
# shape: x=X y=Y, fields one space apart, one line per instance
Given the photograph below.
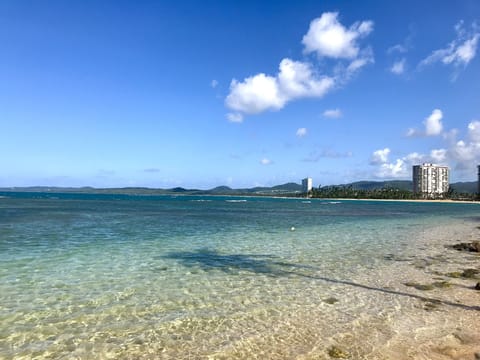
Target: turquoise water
x=104 y=276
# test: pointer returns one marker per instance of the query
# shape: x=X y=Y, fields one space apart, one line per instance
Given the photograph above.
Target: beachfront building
x=430 y=181
x=307 y=185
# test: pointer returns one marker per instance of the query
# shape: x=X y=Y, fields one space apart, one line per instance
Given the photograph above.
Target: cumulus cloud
x=398 y=169
x=262 y=92
x=380 y=156
x=301 y=132
x=326 y=37
x=466 y=153
x=459 y=52
x=460 y=154
x=398 y=67
x=333 y=113
x=433 y=125
x=395 y=169
x=438 y=155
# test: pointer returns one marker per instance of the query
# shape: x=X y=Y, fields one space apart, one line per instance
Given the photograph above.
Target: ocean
x=86 y=276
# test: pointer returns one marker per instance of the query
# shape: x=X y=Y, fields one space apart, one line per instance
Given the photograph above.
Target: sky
x=245 y=93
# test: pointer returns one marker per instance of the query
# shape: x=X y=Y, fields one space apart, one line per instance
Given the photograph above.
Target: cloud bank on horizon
x=326 y=38
x=462 y=153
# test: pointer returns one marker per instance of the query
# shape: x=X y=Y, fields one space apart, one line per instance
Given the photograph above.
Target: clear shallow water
x=92 y=276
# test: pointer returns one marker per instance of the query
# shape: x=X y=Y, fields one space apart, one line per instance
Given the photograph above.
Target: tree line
x=349 y=192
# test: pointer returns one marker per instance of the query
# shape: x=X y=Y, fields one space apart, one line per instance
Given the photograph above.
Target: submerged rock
x=455 y=274
x=477 y=287
x=441 y=284
x=331 y=300
x=469 y=247
x=470 y=273
x=337 y=353
x=423 y=287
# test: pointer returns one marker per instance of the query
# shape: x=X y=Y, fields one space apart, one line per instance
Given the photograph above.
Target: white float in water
x=292 y=228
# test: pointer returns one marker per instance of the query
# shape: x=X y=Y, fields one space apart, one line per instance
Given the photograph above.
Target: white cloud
x=266 y=161
x=460 y=154
x=466 y=153
x=261 y=92
x=328 y=37
x=398 y=169
x=474 y=131
x=255 y=94
x=438 y=155
x=398 y=67
x=301 y=132
x=214 y=83
x=433 y=124
x=459 y=52
x=333 y=113
x=380 y=156
x=235 y=117
x=297 y=79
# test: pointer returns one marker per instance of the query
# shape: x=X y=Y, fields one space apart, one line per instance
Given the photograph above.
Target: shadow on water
x=207 y=260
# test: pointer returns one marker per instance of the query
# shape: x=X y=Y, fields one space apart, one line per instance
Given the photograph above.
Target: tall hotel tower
x=430 y=181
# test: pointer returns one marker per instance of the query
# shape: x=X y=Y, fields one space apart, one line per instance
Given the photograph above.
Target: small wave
x=236 y=201
x=201 y=200
x=306 y=202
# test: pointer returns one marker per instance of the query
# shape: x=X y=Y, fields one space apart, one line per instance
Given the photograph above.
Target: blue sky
x=239 y=93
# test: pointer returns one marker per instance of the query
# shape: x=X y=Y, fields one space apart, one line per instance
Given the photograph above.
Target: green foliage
x=349 y=192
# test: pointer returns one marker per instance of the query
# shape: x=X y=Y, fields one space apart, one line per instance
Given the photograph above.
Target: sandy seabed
x=413 y=304
x=430 y=311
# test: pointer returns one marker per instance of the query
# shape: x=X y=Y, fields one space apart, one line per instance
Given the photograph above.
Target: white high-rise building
x=307 y=185
x=431 y=181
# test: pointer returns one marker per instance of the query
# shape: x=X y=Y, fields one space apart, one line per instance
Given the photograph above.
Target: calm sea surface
x=104 y=276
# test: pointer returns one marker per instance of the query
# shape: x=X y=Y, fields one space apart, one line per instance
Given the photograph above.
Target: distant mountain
x=280 y=190
x=465 y=187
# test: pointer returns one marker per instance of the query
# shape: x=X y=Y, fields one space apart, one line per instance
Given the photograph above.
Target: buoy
x=292 y=228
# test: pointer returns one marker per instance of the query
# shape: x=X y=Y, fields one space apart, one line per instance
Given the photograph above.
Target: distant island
x=356 y=190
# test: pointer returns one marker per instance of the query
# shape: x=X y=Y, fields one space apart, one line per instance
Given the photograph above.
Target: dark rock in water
x=470 y=273
x=330 y=300
x=469 y=247
x=418 y=286
x=477 y=287
x=441 y=284
x=337 y=353
x=476 y=245
x=455 y=274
